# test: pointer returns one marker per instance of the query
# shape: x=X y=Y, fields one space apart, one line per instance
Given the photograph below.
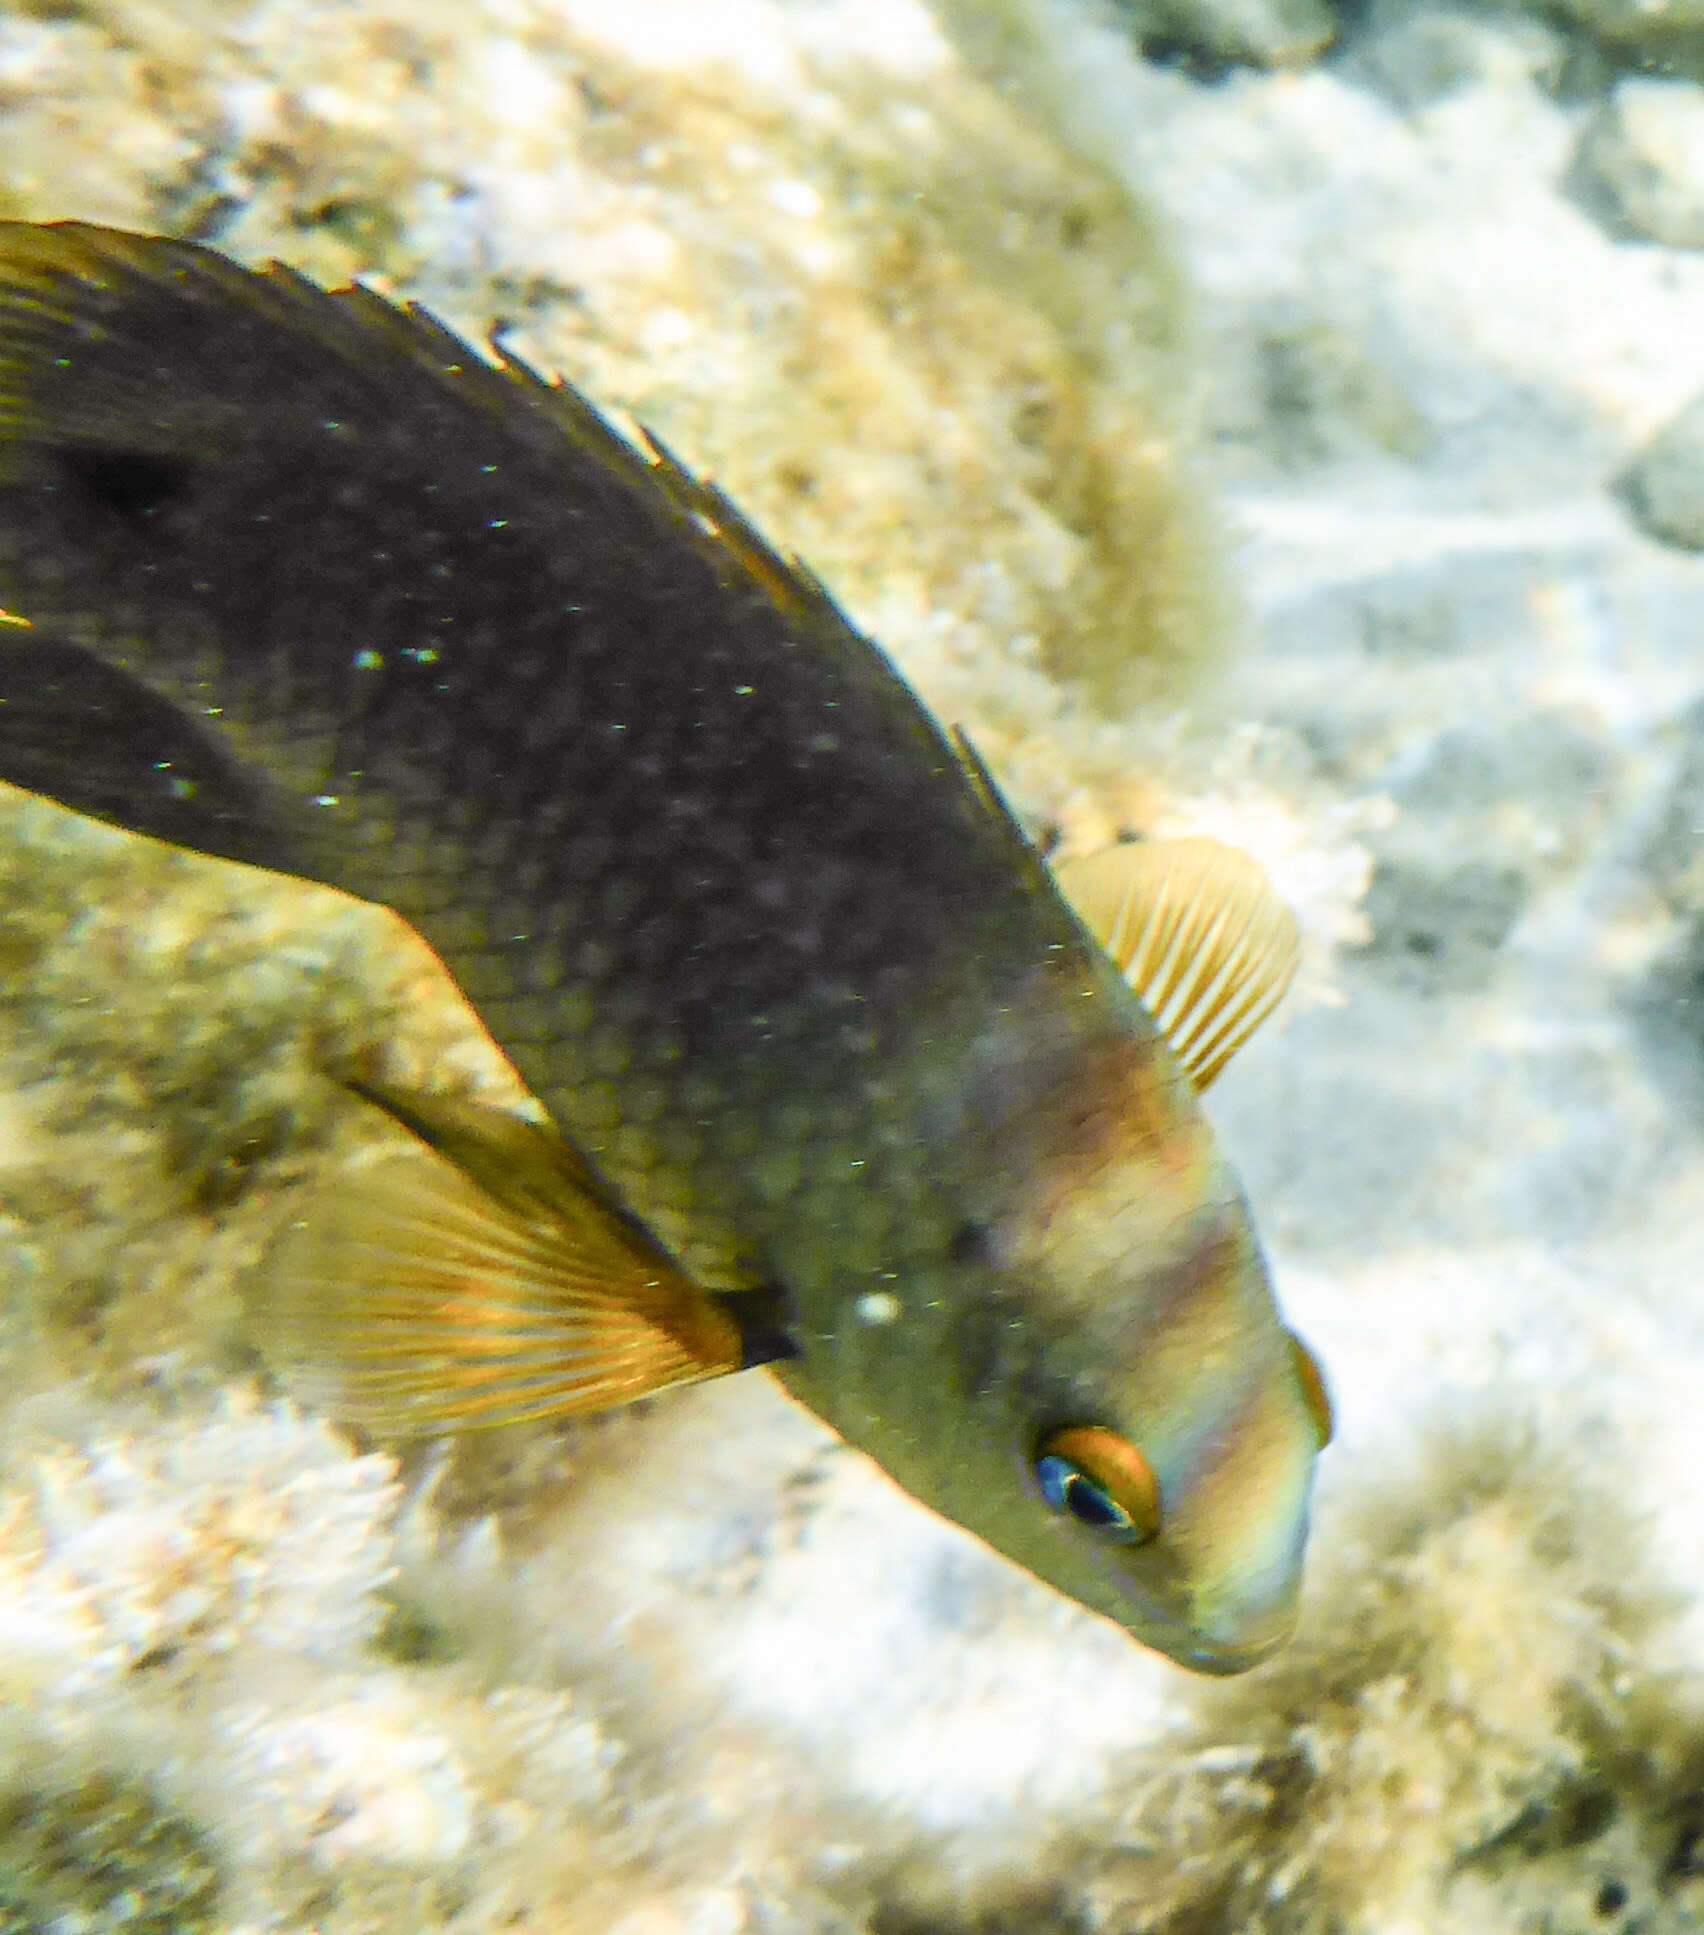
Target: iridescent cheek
x=1243 y=1517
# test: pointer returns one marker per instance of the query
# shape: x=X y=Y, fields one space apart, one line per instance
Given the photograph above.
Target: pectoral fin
x=528 y=1169
x=1199 y=934
x=480 y=1281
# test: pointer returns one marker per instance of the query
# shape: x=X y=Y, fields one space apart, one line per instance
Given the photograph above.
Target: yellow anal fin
x=409 y=1299
x=1199 y=934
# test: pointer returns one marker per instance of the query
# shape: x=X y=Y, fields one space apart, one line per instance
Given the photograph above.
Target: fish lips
x=1224 y=1624
x=1229 y=1641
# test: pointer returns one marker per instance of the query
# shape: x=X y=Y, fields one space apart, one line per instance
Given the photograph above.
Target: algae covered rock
x=1418 y=56
x=1441 y=926
x=102 y=1856
x=934 y=352
x=1479 y=1745
x=1258 y=33
x=916 y=337
x=1652 y=29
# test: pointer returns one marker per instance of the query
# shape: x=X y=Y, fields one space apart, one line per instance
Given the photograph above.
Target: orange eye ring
x=1315 y=1393
x=1102 y=1480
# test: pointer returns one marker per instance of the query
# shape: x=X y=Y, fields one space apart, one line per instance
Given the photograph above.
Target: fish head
x=1162 y=1421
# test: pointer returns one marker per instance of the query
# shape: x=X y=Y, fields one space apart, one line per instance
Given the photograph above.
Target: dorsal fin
x=1198 y=932
x=795 y=591
x=63 y=283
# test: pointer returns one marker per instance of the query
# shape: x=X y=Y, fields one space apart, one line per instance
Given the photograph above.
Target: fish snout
x=1238 y=1630
x=1241 y=1531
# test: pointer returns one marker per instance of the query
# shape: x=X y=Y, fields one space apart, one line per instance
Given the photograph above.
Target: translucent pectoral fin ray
x=529 y=1169
x=1199 y=934
x=408 y=1298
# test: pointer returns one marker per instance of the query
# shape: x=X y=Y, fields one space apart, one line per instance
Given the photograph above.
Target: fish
x=837 y=1076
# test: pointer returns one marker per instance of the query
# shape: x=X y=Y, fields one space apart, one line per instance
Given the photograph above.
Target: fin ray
x=540 y=1308
x=1197 y=930
x=117 y=296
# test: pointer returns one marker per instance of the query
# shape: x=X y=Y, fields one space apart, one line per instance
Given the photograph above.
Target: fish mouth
x=1233 y=1644
x=1200 y=1631
x=1220 y=1638
x=1222 y=1660
x=1221 y=1647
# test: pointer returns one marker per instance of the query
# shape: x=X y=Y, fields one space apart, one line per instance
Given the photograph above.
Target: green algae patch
x=103 y=1856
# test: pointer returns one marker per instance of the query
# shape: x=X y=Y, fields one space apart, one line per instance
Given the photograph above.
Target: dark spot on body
x=134 y=486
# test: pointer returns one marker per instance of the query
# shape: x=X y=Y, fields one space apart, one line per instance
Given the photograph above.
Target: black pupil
x=1087 y=1503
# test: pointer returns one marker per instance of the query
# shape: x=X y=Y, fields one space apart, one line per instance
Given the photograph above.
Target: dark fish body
x=766 y=947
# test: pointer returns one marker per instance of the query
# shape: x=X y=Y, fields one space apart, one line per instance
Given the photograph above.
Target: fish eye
x=1102 y=1481
x=1067 y=1489
x=1315 y=1394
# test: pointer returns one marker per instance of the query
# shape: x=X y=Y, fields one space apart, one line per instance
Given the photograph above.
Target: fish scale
x=771 y=953
x=450 y=723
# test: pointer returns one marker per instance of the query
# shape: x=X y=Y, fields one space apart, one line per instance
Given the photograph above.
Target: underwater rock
x=1668 y=1000
x=1324 y=399
x=1644 y=154
x=202 y=1599
x=805 y=1719
x=1654 y=30
x=1663 y=487
x=1544 y=763
x=918 y=339
x=1528 y=794
x=1674 y=857
x=102 y=1856
x=1418 y=56
x=1439 y=925
x=1256 y=33
x=1477 y=1744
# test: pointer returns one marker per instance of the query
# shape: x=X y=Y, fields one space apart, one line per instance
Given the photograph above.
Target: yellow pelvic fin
x=487 y=1283
x=1199 y=934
